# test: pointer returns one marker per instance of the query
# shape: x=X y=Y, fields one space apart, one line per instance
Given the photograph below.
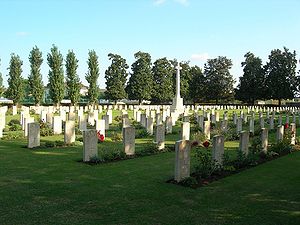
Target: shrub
x=107 y=155
x=95 y=160
x=199 y=137
x=77 y=131
x=15 y=127
x=149 y=149
x=189 y=182
x=79 y=139
x=13 y=135
x=137 y=125
x=50 y=144
x=204 y=166
x=281 y=148
x=14 y=121
x=255 y=145
x=45 y=129
x=141 y=133
x=59 y=143
x=116 y=136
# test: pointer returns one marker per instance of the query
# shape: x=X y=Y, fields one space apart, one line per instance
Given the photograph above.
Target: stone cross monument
x=177 y=105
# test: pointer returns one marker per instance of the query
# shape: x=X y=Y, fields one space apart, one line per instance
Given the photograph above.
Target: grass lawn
x=49 y=186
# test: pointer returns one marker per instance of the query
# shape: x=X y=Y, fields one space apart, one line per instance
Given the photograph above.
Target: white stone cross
x=178 y=80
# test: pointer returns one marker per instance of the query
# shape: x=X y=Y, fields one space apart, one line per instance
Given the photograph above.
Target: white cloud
x=182 y=2
x=200 y=57
x=22 y=33
x=159 y=2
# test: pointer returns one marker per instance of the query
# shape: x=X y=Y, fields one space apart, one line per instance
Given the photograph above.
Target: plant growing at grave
x=141 y=133
x=189 y=182
x=100 y=136
x=45 y=129
x=255 y=145
x=199 y=137
x=15 y=127
x=115 y=136
x=13 y=122
x=13 y=136
x=149 y=149
x=281 y=148
x=94 y=160
x=204 y=166
x=108 y=155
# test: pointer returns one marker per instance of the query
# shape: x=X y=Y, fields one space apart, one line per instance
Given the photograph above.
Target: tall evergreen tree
x=36 y=87
x=15 y=89
x=282 y=80
x=72 y=78
x=56 y=75
x=116 y=76
x=140 y=84
x=92 y=77
x=163 y=80
x=1 y=83
x=219 y=81
x=197 y=86
x=252 y=84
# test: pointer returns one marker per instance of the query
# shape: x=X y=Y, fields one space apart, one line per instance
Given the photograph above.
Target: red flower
x=100 y=136
x=286 y=126
x=206 y=144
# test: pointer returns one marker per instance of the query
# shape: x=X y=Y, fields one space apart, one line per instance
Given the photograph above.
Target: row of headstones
x=183 y=148
x=33 y=137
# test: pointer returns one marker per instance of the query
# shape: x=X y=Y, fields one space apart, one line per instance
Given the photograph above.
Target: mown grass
x=50 y=186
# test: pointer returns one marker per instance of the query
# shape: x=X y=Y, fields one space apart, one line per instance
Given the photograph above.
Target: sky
x=188 y=30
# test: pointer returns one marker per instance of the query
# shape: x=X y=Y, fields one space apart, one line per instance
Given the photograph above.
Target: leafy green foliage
x=45 y=129
x=72 y=79
x=219 y=81
x=204 y=166
x=281 y=69
x=140 y=84
x=2 y=89
x=116 y=76
x=36 y=87
x=56 y=75
x=163 y=81
x=92 y=77
x=197 y=86
x=252 y=84
x=15 y=89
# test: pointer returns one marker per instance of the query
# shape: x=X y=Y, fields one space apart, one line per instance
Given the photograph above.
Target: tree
x=1 y=84
x=185 y=79
x=56 y=75
x=15 y=89
x=36 y=87
x=282 y=80
x=163 y=80
x=197 y=85
x=72 y=78
x=92 y=77
x=140 y=84
x=219 y=81
x=116 y=77
x=252 y=84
